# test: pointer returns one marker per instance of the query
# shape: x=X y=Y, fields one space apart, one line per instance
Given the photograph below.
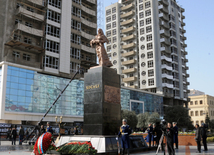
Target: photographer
x=169 y=138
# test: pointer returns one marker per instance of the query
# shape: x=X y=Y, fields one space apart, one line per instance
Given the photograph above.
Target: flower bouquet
x=77 y=148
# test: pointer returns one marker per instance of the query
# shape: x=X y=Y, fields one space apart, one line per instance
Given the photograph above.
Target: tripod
x=160 y=143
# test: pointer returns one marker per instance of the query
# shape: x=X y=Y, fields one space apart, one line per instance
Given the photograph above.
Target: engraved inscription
x=112 y=94
x=92 y=86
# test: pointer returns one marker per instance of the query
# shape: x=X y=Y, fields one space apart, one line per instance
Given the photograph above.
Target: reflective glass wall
x=29 y=91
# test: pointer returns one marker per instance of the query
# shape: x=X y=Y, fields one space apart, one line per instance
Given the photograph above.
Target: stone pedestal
x=101 y=102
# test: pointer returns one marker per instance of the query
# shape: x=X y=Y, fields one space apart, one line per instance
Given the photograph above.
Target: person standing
x=21 y=135
x=42 y=129
x=150 y=132
x=13 y=136
x=169 y=139
x=125 y=131
x=198 y=138
x=9 y=134
x=49 y=128
x=154 y=134
x=175 y=128
x=204 y=136
x=76 y=130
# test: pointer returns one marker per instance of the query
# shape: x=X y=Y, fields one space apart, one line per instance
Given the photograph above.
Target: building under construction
x=43 y=41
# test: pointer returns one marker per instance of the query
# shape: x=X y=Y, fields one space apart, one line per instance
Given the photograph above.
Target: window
x=109 y=39
x=27 y=40
x=75 y=25
x=142 y=55
x=108 y=48
x=196 y=113
x=114 y=54
x=51 y=62
x=148 y=12
x=113 y=9
x=151 y=82
x=143 y=82
x=54 y=16
x=114 y=32
x=149 y=37
x=114 y=46
x=149 y=46
x=150 y=72
x=75 y=38
x=55 y=3
x=141 y=22
x=148 y=29
x=108 y=19
x=197 y=122
x=140 y=7
x=140 y=1
x=114 y=62
x=149 y=55
x=114 y=17
x=201 y=113
x=143 y=73
x=52 y=46
x=141 y=15
x=148 y=21
x=108 y=12
x=201 y=102
x=28 y=24
x=74 y=66
x=30 y=9
x=75 y=53
x=108 y=33
x=191 y=103
x=150 y=63
x=196 y=102
x=141 y=31
x=18 y=5
x=76 y=11
x=108 y=26
x=16 y=37
x=114 y=39
x=88 y=58
x=142 y=47
x=18 y=21
x=53 y=31
x=16 y=54
x=77 y=1
x=191 y=113
x=26 y=57
x=143 y=64
x=147 y=5
x=113 y=24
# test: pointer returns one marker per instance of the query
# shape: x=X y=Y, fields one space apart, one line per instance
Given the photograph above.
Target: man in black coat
x=175 y=128
x=169 y=139
x=198 y=138
x=204 y=135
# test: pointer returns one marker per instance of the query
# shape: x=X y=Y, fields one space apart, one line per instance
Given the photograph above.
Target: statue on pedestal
x=99 y=41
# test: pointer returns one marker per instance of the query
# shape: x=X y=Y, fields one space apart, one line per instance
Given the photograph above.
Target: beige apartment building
x=199 y=106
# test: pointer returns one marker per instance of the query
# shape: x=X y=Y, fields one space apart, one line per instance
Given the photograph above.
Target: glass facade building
x=32 y=92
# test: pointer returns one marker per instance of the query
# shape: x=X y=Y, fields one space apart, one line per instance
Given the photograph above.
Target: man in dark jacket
x=198 y=137
x=13 y=136
x=150 y=132
x=9 y=134
x=175 y=128
x=42 y=130
x=204 y=136
x=169 y=139
x=21 y=135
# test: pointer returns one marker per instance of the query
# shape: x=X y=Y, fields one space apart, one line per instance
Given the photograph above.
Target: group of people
x=201 y=135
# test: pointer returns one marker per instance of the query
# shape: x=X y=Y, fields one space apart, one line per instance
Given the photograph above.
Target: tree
x=207 y=120
x=211 y=125
x=178 y=114
x=154 y=118
x=130 y=116
x=145 y=118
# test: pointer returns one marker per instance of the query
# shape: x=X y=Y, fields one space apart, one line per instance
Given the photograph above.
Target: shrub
x=210 y=139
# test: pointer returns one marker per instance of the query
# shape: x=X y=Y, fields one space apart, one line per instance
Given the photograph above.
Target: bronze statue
x=99 y=41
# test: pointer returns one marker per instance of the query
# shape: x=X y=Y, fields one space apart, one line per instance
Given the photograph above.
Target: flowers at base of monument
x=43 y=143
x=77 y=148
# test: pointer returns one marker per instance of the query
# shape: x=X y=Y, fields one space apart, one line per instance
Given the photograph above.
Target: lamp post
x=59 y=123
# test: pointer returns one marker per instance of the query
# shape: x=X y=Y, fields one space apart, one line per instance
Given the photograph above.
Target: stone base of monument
x=105 y=144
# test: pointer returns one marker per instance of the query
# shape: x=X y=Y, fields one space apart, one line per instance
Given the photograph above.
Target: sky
x=200 y=40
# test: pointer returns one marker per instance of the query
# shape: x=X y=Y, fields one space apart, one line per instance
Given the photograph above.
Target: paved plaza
x=7 y=149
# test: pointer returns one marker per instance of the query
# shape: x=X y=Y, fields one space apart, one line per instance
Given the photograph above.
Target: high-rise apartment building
x=147 y=46
x=42 y=44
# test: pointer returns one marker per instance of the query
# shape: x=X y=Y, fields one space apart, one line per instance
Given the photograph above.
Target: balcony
x=185 y=52
x=167 y=76
x=130 y=70
x=168 y=94
x=127 y=22
x=184 y=38
x=37 y=2
x=128 y=30
x=30 y=14
x=188 y=83
x=186 y=60
x=187 y=75
x=88 y=23
x=88 y=49
x=134 y=87
x=164 y=24
x=187 y=68
x=164 y=9
x=167 y=85
x=87 y=36
x=182 y=9
x=91 y=1
x=131 y=45
x=166 y=58
x=165 y=33
x=184 y=45
x=182 y=23
x=127 y=7
x=128 y=14
x=183 y=31
x=127 y=54
x=29 y=30
x=165 y=49
x=182 y=17
x=128 y=37
x=129 y=62
x=165 y=41
x=164 y=66
x=163 y=16
x=130 y=79
x=88 y=11
x=126 y=1
x=164 y=2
